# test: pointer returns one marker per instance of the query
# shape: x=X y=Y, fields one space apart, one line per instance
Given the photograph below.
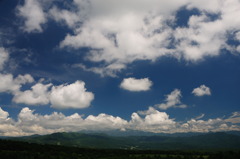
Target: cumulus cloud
x=33 y=14
x=202 y=91
x=12 y=85
x=172 y=100
x=63 y=96
x=4 y=56
x=105 y=122
x=71 y=96
x=151 y=120
x=38 y=95
x=136 y=85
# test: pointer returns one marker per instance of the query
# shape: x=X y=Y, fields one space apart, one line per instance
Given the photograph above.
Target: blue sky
x=157 y=66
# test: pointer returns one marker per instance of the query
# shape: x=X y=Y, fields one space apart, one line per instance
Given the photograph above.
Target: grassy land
x=24 y=150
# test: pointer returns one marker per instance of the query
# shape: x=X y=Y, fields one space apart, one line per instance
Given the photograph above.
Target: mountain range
x=185 y=141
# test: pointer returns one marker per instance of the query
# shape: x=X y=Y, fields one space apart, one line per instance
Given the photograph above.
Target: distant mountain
x=139 y=133
x=233 y=132
x=207 y=141
x=120 y=132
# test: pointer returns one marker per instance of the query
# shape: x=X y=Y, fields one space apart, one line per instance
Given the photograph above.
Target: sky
x=147 y=65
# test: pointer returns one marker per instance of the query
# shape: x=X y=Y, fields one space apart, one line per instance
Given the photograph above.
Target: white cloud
x=23 y=79
x=71 y=96
x=201 y=91
x=10 y=84
x=210 y=125
x=213 y=6
x=128 y=40
x=202 y=126
x=151 y=120
x=64 y=16
x=151 y=110
x=200 y=116
x=238 y=49
x=119 y=33
x=27 y=114
x=4 y=56
x=110 y=70
x=136 y=85
x=209 y=34
x=63 y=96
x=38 y=95
x=206 y=34
x=235 y=118
x=33 y=14
x=172 y=100
x=235 y=114
x=3 y=114
x=237 y=36
x=105 y=122
x=128 y=31
x=29 y=123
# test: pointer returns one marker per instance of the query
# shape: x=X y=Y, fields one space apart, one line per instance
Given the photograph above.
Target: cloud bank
x=151 y=120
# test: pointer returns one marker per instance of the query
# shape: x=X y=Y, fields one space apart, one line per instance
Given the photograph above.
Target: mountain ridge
x=218 y=140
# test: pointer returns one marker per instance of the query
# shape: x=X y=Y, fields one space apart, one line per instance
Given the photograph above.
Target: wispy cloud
x=4 y=56
x=235 y=118
x=200 y=116
x=172 y=101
